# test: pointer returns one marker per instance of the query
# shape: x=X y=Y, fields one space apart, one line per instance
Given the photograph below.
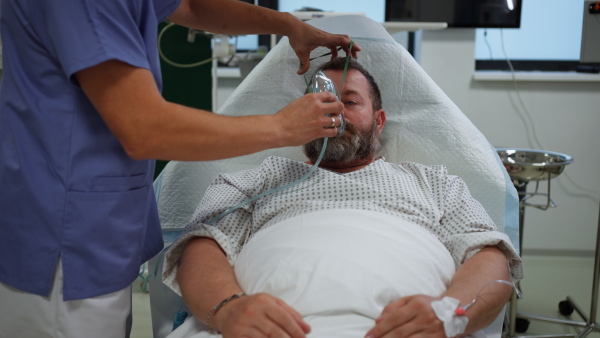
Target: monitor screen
x=457 y=13
x=245 y=43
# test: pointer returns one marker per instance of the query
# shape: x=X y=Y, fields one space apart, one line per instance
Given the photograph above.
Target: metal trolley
x=524 y=166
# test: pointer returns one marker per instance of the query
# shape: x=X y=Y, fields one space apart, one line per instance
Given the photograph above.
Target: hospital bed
x=423 y=125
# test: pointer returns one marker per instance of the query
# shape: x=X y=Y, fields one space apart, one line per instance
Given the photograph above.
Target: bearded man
x=360 y=248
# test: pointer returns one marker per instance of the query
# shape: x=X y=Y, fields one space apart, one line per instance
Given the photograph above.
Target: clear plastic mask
x=322 y=83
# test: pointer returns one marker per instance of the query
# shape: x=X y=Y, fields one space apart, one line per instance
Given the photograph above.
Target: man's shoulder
x=419 y=167
x=244 y=167
x=280 y=161
x=273 y=165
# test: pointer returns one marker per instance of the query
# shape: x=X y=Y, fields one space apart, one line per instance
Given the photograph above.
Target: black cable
x=339 y=48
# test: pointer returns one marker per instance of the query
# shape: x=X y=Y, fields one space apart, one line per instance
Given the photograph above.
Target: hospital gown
x=423 y=195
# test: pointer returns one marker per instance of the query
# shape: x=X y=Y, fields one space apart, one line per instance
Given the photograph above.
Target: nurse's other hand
x=304 y=38
x=306 y=118
x=259 y=315
x=408 y=316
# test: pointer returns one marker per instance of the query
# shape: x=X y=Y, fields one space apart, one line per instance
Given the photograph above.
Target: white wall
x=567 y=118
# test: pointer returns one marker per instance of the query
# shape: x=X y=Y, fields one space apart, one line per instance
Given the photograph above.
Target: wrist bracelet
x=217 y=307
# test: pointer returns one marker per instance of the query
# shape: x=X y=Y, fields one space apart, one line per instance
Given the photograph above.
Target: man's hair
x=340 y=63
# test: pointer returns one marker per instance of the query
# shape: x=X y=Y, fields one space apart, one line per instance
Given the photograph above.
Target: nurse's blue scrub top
x=67 y=187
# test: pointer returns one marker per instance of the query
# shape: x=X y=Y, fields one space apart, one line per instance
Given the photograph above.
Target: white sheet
x=340 y=268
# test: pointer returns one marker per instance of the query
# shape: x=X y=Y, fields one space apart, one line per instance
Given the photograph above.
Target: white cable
x=531 y=124
x=172 y=63
x=584 y=195
x=539 y=144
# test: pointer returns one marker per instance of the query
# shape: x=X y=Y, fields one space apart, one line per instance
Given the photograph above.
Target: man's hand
x=260 y=315
x=408 y=316
x=305 y=38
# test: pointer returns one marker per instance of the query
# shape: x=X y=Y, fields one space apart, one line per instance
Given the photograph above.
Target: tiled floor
x=549 y=279
x=142 y=322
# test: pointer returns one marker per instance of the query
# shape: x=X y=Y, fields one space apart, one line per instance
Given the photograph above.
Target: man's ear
x=380 y=118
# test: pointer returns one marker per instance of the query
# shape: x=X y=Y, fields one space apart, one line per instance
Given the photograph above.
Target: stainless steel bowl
x=533 y=165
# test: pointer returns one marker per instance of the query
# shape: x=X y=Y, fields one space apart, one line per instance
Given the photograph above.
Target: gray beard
x=354 y=146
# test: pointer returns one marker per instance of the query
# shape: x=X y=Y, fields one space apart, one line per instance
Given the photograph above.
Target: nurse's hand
x=306 y=118
x=304 y=38
x=259 y=315
x=406 y=317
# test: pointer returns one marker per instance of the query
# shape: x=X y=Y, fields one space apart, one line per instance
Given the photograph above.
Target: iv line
x=462 y=310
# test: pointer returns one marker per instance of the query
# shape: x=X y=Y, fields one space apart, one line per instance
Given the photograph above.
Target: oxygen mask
x=322 y=83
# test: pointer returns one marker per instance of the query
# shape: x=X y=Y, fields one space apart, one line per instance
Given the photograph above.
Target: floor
x=142 y=320
x=549 y=279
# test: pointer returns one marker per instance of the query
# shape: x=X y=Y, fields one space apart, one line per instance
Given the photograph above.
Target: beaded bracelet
x=218 y=307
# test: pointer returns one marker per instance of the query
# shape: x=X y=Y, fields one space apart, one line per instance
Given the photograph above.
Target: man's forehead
x=355 y=80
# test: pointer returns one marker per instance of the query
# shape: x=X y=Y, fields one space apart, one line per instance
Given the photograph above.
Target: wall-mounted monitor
x=457 y=13
x=245 y=43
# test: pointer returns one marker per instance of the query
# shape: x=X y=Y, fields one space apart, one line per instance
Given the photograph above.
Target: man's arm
x=235 y=17
x=206 y=278
x=414 y=314
x=148 y=126
x=475 y=275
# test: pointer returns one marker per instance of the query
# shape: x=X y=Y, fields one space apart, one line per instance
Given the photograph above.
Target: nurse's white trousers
x=25 y=315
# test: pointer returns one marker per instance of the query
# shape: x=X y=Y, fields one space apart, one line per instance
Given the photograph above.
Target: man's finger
x=397 y=304
x=296 y=315
x=388 y=323
x=285 y=323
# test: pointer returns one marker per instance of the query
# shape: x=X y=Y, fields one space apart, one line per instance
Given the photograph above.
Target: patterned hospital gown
x=425 y=195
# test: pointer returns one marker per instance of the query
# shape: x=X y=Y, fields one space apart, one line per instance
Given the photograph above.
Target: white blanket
x=340 y=268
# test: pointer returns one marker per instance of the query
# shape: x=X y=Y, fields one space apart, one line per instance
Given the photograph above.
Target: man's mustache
x=351 y=128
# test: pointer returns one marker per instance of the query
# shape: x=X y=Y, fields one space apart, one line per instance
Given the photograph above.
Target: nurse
x=81 y=118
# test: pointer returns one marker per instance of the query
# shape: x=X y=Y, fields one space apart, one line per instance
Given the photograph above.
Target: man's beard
x=352 y=147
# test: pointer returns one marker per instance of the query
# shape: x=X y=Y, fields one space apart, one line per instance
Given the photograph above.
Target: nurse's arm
x=235 y=17
x=148 y=126
x=232 y=17
x=206 y=278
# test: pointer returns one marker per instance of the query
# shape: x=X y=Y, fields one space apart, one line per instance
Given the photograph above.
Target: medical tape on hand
x=445 y=310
